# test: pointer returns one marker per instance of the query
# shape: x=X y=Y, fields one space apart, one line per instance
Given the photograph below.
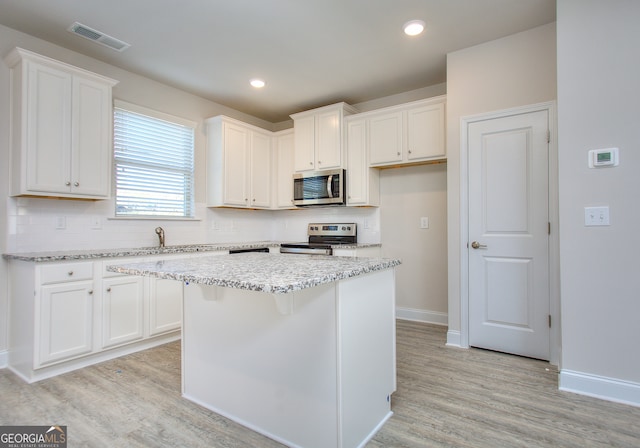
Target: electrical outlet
x=61 y=222
x=424 y=222
x=96 y=223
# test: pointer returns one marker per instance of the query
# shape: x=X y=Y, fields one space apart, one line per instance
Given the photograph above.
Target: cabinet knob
x=67 y=183
x=77 y=184
x=109 y=289
x=409 y=151
x=311 y=163
x=70 y=273
x=91 y=292
x=398 y=152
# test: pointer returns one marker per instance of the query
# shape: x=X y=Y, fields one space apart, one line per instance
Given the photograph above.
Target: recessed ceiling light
x=257 y=83
x=414 y=27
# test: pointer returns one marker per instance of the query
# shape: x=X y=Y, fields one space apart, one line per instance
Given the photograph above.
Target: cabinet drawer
x=66 y=272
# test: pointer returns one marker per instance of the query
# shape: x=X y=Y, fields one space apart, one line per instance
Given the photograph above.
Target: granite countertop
x=144 y=251
x=270 y=273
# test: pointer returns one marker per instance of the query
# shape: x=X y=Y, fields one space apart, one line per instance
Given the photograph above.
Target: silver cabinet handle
x=91 y=292
x=477 y=245
x=108 y=289
x=77 y=184
x=70 y=273
x=68 y=184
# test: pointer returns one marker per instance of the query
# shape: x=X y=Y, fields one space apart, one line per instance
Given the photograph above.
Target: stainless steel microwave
x=319 y=188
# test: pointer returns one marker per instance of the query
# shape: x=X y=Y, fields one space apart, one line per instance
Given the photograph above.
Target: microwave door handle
x=329 y=179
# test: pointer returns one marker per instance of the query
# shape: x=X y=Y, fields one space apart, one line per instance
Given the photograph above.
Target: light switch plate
x=424 y=222
x=596 y=216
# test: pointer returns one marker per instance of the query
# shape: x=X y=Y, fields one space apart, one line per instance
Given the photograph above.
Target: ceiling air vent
x=98 y=37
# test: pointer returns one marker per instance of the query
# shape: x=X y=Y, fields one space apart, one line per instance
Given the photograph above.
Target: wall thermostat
x=603 y=157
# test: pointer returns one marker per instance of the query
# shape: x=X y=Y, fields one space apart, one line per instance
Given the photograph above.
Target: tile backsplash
x=44 y=224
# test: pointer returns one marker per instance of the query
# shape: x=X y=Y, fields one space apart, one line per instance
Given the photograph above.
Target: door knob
x=477 y=245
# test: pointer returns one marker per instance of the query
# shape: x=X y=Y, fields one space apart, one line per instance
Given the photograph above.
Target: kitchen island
x=300 y=348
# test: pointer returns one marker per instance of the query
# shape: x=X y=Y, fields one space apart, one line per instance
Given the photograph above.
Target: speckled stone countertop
x=144 y=251
x=270 y=273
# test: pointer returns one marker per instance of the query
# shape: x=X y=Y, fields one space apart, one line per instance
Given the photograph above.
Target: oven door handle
x=329 y=182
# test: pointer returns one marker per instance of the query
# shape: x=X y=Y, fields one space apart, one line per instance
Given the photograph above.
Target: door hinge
x=548 y=136
x=549 y=320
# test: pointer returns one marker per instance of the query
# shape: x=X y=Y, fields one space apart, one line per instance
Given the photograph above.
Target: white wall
x=406 y=195
x=599 y=107
x=513 y=71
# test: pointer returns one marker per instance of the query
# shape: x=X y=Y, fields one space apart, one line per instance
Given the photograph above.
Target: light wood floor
x=446 y=397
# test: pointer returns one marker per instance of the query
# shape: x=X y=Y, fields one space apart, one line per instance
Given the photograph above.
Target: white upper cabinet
x=318 y=136
x=61 y=122
x=407 y=134
x=362 y=181
x=283 y=174
x=238 y=164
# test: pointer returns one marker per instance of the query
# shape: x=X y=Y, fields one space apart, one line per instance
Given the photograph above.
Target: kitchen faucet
x=160 y=233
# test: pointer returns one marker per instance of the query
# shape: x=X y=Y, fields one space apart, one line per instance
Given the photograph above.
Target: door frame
x=554 y=252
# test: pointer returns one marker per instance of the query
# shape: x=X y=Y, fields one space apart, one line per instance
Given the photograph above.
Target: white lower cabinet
x=67 y=315
x=165 y=305
x=65 y=321
x=122 y=310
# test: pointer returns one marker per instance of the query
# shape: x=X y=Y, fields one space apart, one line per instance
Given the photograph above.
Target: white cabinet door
x=362 y=181
x=318 y=137
x=329 y=140
x=260 y=170
x=386 y=138
x=238 y=164
x=284 y=148
x=48 y=129
x=305 y=143
x=122 y=310
x=411 y=133
x=66 y=316
x=425 y=132
x=236 y=158
x=91 y=137
x=61 y=128
x=165 y=305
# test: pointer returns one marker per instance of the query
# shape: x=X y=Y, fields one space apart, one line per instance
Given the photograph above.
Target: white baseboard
x=426 y=316
x=453 y=339
x=605 y=388
x=4 y=359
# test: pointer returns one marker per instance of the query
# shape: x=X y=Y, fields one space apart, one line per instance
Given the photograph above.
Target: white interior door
x=508 y=234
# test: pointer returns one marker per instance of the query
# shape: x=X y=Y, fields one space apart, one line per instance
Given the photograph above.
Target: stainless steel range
x=322 y=236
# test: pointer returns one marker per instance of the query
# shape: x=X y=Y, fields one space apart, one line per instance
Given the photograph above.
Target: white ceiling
x=310 y=52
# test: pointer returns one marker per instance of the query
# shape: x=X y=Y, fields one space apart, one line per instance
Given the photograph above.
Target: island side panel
x=367 y=353
x=274 y=373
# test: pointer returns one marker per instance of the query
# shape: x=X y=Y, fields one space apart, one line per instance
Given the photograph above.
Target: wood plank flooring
x=446 y=397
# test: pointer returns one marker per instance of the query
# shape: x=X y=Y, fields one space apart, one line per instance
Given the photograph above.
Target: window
x=153 y=158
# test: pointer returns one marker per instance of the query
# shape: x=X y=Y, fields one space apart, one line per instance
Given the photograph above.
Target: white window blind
x=153 y=160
